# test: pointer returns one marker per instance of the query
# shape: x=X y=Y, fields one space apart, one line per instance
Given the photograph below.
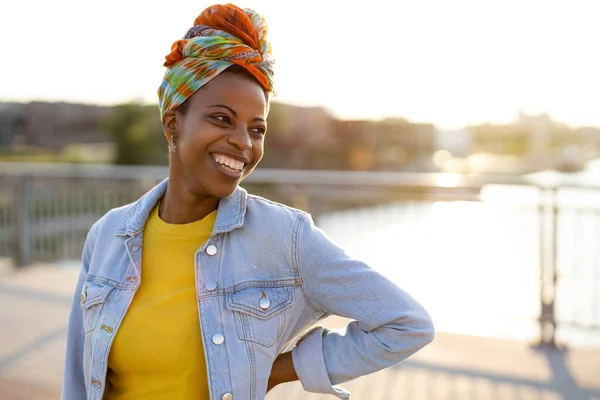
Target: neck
x=179 y=206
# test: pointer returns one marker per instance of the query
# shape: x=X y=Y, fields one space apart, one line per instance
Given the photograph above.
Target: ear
x=169 y=124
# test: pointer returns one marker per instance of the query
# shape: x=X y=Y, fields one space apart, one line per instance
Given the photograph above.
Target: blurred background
x=452 y=145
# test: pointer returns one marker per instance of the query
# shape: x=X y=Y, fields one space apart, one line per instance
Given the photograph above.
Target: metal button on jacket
x=218 y=339
x=211 y=285
x=83 y=296
x=264 y=303
x=211 y=250
x=227 y=396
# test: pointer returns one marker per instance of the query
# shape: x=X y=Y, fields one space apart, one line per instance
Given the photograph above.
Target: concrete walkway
x=35 y=302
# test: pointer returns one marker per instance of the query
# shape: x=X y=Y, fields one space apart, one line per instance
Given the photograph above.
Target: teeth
x=229 y=162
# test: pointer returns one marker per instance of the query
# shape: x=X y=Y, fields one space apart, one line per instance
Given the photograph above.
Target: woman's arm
x=73 y=381
x=388 y=327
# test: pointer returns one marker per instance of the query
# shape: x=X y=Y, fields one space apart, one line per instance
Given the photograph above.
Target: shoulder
x=279 y=219
x=274 y=216
x=102 y=232
x=111 y=222
x=272 y=209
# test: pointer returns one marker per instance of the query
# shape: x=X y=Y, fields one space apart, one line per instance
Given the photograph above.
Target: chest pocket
x=261 y=313
x=93 y=298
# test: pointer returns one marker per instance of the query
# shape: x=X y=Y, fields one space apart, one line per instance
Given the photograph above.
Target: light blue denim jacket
x=256 y=246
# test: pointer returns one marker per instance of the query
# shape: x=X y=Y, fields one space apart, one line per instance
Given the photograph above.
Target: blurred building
x=390 y=145
x=51 y=126
x=12 y=121
x=300 y=138
x=459 y=142
x=311 y=138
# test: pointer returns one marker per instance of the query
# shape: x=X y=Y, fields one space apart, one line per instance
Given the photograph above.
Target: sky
x=447 y=62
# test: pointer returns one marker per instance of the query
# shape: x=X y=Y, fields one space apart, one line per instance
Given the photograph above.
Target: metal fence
x=486 y=254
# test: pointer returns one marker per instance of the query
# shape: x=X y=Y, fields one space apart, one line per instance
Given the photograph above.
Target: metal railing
x=492 y=260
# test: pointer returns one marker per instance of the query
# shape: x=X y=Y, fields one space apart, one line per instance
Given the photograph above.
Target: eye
x=224 y=119
x=261 y=130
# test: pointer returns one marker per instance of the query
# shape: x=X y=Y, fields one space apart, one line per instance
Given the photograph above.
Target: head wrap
x=223 y=35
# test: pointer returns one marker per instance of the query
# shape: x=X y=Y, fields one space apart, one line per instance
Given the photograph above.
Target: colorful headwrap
x=223 y=35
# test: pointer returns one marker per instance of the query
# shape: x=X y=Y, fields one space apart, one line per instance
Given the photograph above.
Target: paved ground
x=34 y=306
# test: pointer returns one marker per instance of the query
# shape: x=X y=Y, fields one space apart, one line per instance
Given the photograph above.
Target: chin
x=224 y=193
x=225 y=187
x=222 y=190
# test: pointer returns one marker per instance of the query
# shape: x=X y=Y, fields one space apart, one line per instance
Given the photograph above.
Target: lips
x=230 y=166
x=229 y=162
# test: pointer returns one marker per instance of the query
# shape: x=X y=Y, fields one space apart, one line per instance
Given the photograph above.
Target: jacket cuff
x=309 y=363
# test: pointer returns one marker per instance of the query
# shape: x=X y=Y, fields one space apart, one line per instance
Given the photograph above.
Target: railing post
x=548 y=267
x=22 y=239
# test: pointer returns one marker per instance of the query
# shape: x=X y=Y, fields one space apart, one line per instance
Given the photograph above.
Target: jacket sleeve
x=74 y=387
x=388 y=324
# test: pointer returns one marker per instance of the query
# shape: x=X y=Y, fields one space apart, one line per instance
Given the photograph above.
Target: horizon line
x=328 y=110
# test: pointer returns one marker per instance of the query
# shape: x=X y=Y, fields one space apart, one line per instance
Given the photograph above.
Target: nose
x=240 y=139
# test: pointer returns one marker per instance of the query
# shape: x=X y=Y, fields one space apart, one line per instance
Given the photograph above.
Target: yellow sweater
x=158 y=351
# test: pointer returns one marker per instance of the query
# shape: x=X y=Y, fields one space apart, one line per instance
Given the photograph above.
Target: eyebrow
x=233 y=111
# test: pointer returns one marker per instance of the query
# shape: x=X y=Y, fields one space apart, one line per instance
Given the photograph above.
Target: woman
x=197 y=290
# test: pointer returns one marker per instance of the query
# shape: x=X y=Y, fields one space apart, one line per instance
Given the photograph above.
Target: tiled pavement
x=34 y=306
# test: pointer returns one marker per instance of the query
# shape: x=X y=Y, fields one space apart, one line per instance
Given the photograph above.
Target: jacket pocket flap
x=94 y=293
x=261 y=302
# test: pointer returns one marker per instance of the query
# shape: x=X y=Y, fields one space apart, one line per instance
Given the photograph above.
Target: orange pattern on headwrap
x=222 y=35
x=233 y=20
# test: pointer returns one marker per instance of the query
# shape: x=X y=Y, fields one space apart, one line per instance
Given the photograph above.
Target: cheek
x=194 y=138
x=258 y=150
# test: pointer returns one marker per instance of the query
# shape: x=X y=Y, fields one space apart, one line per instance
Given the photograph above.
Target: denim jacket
x=256 y=246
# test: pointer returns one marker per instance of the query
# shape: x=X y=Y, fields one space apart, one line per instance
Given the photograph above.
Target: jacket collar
x=230 y=214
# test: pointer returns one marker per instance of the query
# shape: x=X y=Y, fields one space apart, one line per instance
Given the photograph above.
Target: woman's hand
x=282 y=371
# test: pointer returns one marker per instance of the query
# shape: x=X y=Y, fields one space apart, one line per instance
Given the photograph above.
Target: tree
x=137 y=133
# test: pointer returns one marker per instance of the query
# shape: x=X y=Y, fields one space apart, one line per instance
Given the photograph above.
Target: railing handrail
x=304 y=177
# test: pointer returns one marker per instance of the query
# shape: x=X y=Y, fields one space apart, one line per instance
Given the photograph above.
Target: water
x=476 y=265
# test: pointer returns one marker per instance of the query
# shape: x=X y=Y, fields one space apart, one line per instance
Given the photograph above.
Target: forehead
x=234 y=90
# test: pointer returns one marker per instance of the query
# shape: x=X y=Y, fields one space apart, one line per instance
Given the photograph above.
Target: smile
x=228 y=163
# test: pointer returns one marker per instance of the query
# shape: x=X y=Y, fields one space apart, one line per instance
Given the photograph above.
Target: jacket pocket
x=93 y=298
x=261 y=313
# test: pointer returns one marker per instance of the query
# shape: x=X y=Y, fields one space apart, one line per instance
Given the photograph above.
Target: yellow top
x=158 y=351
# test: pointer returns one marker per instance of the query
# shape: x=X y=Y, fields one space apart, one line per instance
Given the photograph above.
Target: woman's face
x=220 y=139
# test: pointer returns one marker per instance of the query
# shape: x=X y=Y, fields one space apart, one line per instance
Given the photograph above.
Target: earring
x=172 y=146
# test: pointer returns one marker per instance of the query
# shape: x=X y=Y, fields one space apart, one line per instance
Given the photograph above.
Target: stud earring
x=172 y=146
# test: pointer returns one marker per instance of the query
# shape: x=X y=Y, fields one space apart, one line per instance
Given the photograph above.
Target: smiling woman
x=217 y=139
x=197 y=290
